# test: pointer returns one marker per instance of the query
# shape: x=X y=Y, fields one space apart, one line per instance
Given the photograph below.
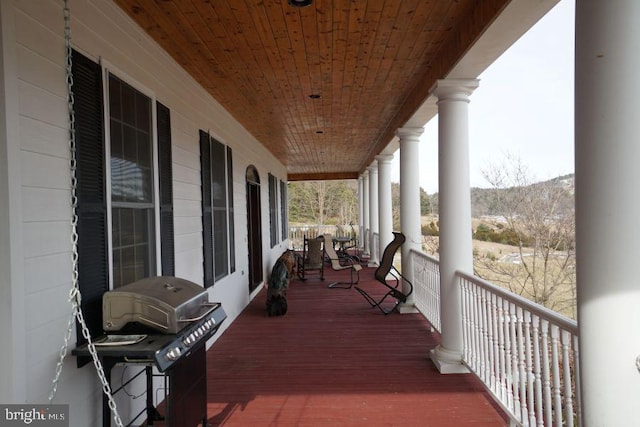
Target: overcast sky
x=523 y=106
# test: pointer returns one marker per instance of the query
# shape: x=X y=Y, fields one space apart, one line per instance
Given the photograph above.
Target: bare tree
x=539 y=219
x=323 y=202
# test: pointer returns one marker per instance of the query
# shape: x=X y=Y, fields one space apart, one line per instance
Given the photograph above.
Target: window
x=283 y=210
x=273 y=208
x=217 y=209
x=133 y=203
x=119 y=173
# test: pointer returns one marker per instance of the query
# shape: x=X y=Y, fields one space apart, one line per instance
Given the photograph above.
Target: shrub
x=430 y=229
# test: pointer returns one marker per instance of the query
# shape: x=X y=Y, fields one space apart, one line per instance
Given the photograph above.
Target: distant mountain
x=484 y=201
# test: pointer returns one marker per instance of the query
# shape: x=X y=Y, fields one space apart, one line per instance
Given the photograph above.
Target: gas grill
x=161 y=322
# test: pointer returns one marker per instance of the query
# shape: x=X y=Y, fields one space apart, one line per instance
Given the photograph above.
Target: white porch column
x=365 y=212
x=409 y=203
x=360 y=211
x=456 y=250
x=385 y=220
x=373 y=212
x=607 y=150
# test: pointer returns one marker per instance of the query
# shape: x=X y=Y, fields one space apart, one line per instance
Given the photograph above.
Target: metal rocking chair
x=311 y=261
x=387 y=273
x=342 y=263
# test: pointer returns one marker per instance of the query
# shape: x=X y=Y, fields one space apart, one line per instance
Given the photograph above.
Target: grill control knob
x=173 y=354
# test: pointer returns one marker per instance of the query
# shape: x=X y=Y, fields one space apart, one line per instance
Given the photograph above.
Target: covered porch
x=324 y=92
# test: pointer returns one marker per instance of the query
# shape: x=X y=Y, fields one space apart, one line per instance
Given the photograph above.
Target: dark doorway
x=254 y=223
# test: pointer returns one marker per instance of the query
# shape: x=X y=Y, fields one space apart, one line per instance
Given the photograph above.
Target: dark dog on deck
x=279 y=283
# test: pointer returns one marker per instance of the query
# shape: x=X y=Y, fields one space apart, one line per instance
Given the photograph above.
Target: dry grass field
x=502 y=265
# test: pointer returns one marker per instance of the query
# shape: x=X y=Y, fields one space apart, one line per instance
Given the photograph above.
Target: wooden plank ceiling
x=323 y=87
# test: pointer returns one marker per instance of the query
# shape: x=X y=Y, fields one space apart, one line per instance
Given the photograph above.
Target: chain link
x=74 y=293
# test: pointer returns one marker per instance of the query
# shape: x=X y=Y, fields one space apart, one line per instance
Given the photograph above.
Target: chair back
x=387 y=257
x=331 y=252
x=314 y=258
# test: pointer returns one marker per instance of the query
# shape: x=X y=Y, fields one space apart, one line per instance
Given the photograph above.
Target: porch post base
x=404 y=308
x=447 y=361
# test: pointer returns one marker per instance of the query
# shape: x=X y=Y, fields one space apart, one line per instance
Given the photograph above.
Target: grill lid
x=164 y=303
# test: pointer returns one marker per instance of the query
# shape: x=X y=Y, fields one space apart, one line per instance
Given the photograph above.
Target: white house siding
x=34 y=186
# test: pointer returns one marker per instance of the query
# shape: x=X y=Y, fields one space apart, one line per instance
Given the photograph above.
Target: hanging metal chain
x=74 y=293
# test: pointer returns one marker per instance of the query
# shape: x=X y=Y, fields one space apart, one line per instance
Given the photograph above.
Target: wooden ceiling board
x=372 y=62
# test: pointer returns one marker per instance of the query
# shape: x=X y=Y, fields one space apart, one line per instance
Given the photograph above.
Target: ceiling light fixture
x=300 y=3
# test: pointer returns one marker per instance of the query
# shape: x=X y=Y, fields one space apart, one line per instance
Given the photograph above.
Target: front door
x=254 y=223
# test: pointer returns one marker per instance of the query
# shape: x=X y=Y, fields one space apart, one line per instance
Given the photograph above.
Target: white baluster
x=522 y=374
x=528 y=347
x=467 y=354
x=497 y=374
x=576 y=362
x=504 y=368
x=473 y=327
x=536 y=370
x=566 y=371
x=555 y=371
x=546 y=374
x=484 y=337
x=514 y=360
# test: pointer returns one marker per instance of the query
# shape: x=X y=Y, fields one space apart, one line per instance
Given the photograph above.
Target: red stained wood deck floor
x=332 y=360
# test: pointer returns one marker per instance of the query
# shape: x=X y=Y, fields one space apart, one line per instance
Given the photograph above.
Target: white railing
x=299 y=232
x=426 y=286
x=525 y=354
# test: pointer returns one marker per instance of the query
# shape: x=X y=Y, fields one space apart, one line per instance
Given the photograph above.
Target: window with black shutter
x=126 y=146
x=217 y=209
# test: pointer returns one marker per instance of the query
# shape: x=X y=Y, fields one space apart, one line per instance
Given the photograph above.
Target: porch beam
x=329 y=176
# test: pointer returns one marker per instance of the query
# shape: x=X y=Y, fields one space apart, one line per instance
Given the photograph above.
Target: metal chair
x=311 y=261
x=386 y=274
x=339 y=263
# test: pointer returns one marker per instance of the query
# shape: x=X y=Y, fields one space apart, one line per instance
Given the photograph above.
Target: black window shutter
x=166 y=190
x=232 y=240
x=273 y=219
x=207 y=219
x=93 y=270
x=283 y=210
